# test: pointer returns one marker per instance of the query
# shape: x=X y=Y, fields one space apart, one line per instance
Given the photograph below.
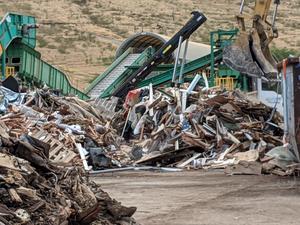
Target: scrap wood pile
x=206 y=129
x=35 y=192
x=73 y=128
x=40 y=180
x=218 y=129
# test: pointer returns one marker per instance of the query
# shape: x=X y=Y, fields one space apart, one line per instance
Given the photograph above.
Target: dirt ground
x=206 y=198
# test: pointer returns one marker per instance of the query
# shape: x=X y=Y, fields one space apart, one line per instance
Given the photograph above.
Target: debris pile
x=36 y=192
x=218 y=129
x=41 y=175
x=169 y=129
x=68 y=124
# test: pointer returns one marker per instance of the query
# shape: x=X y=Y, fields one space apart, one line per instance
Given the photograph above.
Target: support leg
x=177 y=59
x=183 y=61
x=3 y=65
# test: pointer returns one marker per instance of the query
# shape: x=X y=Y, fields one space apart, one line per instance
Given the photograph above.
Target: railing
x=36 y=70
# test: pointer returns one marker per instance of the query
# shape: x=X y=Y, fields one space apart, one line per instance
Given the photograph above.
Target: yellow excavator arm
x=250 y=53
x=262 y=8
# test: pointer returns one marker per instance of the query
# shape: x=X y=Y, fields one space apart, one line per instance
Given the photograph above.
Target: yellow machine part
x=225 y=82
x=9 y=71
x=262 y=8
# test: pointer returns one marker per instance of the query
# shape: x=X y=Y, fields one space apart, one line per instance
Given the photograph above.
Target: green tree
x=283 y=53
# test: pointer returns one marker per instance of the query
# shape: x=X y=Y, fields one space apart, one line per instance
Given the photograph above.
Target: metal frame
x=291 y=110
x=190 y=67
x=218 y=40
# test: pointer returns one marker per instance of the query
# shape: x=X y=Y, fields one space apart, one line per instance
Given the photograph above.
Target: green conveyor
x=163 y=77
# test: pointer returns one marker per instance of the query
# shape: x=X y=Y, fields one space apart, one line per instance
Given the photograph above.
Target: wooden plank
x=39 y=134
x=64 y=156
x=14 y=195
x=82 y=151
x=184 y=164
x=168 y=155
x=70 y=156
x=3 y=129
x=36 y=206
x=227 y=151
x=233 y=138
x=52 y=142
x=28 y=192
x=48 y=138
x=9 y=162
x=56 y=150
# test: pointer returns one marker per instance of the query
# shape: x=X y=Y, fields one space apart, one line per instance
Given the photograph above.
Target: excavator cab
x=250 y=53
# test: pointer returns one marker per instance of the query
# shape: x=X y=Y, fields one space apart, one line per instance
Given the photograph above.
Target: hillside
x=81 y=36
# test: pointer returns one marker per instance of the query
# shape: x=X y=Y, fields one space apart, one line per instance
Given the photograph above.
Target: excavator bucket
x=238 y=56
x=246 y=56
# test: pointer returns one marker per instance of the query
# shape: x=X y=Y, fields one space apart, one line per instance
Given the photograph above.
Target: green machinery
x=218 y=40
x=17 y=50
x=15 y=27
x=189 y=68
x=162 y=74
x=17 y=43
x=129 y=70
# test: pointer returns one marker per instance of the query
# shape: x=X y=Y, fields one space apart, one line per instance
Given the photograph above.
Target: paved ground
x=206 y=198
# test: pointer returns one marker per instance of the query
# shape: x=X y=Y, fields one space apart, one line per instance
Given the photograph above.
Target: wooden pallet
x=58 y=153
